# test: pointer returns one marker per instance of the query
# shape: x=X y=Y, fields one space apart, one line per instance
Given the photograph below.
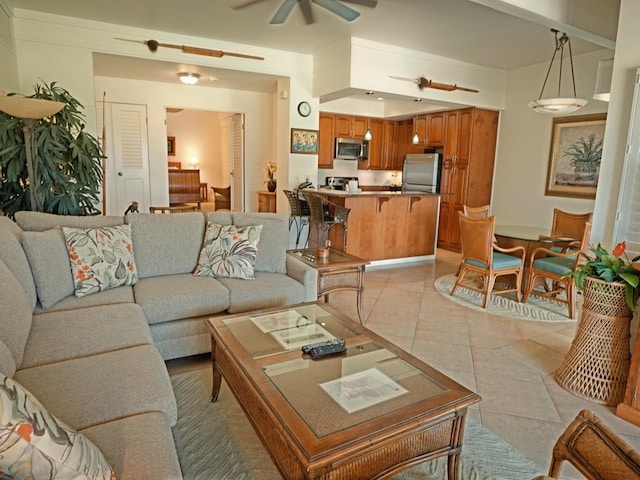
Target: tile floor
x=510 y=363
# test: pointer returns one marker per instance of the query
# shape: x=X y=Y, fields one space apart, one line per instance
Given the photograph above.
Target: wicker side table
x=597 y=364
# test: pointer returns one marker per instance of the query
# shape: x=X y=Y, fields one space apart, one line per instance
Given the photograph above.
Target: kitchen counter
x=385 y=225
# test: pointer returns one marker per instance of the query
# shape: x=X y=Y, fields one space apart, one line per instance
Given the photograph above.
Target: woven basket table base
x=597 y=364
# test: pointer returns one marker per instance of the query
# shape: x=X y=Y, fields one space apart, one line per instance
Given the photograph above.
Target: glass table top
x=526 y=232
x=335 y=392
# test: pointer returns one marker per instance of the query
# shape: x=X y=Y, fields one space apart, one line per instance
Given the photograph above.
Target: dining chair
x=569 y=225
x=551 y=266
x=480 y=256
x=299 y=214
x=221 y=198
x=476 y=212
x=595 y=450
x=324 y=215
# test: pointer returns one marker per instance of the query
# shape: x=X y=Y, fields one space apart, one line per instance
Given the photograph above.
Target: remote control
x=307 y=348
x=331 y=347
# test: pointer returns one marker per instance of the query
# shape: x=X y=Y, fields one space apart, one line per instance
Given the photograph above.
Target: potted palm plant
x=585 y=157
x=67 y=158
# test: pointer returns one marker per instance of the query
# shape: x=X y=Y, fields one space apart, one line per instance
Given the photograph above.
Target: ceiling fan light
x=189 y=78
x=554 y=106
x=415 y=139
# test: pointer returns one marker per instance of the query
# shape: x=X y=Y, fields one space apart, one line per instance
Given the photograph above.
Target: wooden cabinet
x=431 y=130
x=629 y=409
x=267 y=202
x=467 y=167
x=326 y=152
x=350 y=126
x=389 y=145
x=376 y=147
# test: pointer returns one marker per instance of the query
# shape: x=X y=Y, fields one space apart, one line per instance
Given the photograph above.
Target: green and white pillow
x=35 y=444
x=229 y=251
x=100 y=258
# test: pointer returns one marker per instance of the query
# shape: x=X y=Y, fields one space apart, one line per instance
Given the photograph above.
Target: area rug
x=215 y=441
x=538 y=309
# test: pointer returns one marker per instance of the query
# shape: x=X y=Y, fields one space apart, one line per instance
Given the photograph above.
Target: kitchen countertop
x=342 y=193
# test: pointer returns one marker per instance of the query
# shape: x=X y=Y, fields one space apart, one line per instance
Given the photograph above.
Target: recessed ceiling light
x=189 y=78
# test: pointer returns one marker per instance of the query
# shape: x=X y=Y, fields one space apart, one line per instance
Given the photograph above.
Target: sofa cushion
x=35 y=441
x=266 y=290
x=106 y=297
x=173 y=297
x=87 y=391
x=16 y=315
x=49 y=260
x=274 y=239
x=221 y=218
x=39 y=221
x=7 y=364
x=138 y=447
x=166 y=244
x=12 y=254
x=57 y=336
x=189 y=336
x=228 y=251
x=101 y=258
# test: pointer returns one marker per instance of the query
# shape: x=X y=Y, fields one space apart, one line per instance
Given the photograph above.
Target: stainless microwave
x=351 y=149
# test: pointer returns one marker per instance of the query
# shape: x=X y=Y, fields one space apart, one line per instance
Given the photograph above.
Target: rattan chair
x=299 y=215
x=485 y=259
x=551 y=266
x=595 y=450
x=569 y=225
x=324 y=215
x=221 y=198
x=476 y=212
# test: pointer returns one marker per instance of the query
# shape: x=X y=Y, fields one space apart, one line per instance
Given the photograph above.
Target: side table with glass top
x=337 y=271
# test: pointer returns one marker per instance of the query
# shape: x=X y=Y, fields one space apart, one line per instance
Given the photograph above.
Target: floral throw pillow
x=101 y=258
x=35 y=444
x=229 y=251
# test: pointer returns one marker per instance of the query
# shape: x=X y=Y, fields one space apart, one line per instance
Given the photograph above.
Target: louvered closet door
x=130 y=156
x=237 y=172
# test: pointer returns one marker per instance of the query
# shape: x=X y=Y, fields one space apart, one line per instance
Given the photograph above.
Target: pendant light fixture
x=416 y=138
x=367 y=135
x=558 y=104
x=189 y=78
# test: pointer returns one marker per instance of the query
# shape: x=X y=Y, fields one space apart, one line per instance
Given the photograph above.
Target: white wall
x=9 y=70
x=197 y=134
x=524 y=143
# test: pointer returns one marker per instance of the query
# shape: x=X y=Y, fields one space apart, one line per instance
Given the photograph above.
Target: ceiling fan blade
x=283 y=12
x=349 y=14
x=247 y=4
x=305 y=6
x=364 y=3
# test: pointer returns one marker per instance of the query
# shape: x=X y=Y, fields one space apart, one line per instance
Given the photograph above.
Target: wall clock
x=304 y=109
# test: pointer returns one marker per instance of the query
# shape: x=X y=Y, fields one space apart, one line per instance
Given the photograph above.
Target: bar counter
x=385 y=225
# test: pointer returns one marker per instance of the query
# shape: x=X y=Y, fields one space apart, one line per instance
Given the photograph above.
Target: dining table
x=529 y=237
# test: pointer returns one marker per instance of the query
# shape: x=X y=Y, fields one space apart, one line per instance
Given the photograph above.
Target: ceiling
x=465 y=30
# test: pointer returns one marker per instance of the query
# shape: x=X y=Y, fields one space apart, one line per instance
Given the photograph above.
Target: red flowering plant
x=611 y=267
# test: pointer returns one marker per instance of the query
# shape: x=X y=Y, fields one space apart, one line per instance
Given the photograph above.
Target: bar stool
x=299 y=215
x=324 y=215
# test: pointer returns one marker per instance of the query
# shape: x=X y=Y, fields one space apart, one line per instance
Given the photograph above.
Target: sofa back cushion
x=49 y=261
x=39 y=221
x=274 y=239
x=166 y=244
x=12 y=254
x=16 y=315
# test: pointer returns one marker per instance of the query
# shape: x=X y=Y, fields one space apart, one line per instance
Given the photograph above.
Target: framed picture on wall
x=171 y=146
x=304 y=141
x=575 y=155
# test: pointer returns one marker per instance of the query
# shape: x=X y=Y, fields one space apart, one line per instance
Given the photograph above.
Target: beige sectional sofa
x=97 y=362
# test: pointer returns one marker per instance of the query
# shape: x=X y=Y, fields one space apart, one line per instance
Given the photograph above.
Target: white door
x=226 y=142
x=127 y=152
x=237 y=171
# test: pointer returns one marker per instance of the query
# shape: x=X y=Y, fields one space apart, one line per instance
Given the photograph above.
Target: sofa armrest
x=305 y=274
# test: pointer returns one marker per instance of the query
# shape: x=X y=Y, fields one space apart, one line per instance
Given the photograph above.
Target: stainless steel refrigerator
x=421 y=173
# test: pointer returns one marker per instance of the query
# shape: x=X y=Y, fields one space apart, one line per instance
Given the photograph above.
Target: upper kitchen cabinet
x=467 y=167
x=350 y=126
x=326 y=145
x=431 y=131
x=376 y=159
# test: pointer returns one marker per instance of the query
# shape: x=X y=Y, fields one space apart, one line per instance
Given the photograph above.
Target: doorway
x=212 y=143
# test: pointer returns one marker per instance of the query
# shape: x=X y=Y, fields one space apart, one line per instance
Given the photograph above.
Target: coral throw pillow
x=101 y=258
x=37 y=445
x=229 y=251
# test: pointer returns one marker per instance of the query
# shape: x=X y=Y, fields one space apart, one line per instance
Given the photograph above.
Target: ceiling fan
x=153 y=45
x=423 y=83
x=347 y=13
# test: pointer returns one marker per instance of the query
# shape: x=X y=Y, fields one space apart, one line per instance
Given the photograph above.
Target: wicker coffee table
x=364 y=414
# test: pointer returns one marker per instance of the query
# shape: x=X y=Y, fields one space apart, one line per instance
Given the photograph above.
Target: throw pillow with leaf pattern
x=35 y=444
x=100 y=258
x=229 y=251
